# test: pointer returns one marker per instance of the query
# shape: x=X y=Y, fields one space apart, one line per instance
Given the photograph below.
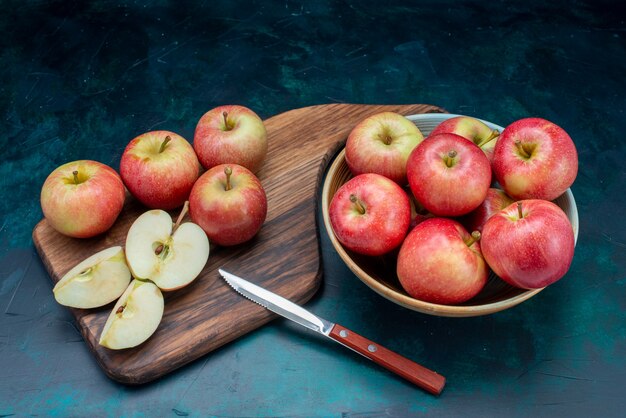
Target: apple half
x=135 y=316
x=170 y=256
x=96 y=281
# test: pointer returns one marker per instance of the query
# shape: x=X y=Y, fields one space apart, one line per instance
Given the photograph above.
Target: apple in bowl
x=370 y=214
x=529 y=244
x=471 y=129
x=448 y=175
x=440 y=262
x=82 y=199
x=535 y=159
x=381 y=144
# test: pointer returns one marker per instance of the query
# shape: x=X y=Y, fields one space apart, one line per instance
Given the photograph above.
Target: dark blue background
x=80 y=80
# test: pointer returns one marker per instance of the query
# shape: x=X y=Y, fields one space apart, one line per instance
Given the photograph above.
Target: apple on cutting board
x=96 y=281
x=159 y=168
x=231 y=135
x=82 y=199
x=229 y=203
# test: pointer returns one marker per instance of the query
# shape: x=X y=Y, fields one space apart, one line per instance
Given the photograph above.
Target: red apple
x=535 y=159
x=472 y=129
x=83 y=198
x=159 y=168
x=370 y=214
x=229 y=203
x=440 y=262
x=529 y=244
x=495 y=201
x=382 y=144
x=231 y=134
x=418 y=213
x=448 y=175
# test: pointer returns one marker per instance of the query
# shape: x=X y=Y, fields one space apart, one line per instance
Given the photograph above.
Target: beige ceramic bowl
x=379 y=273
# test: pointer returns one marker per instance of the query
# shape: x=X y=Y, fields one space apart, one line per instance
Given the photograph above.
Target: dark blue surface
x=79 y=81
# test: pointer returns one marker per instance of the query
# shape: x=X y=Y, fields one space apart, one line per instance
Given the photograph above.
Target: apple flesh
x=382 y=144
x=448 y=175
x=231 y=134
x=495 y=201
x=135 y=316
x=229 y=203
x=440 y=262
x=159 y=168
x=370 y=214
x=471 y=129
x=170 y=256
x=529 y=244
x=96 y=281
x=535 y=159
x=82 y=199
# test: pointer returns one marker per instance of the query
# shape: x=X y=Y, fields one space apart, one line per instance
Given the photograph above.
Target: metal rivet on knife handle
x=343 y=333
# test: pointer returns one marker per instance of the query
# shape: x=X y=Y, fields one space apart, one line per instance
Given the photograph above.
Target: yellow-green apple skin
x=231 y=134
x=96 y=281
x=83 y=198
x=159 y=168
x=381 y=144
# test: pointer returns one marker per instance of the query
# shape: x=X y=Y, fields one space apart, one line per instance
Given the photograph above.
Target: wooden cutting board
x=284 y=257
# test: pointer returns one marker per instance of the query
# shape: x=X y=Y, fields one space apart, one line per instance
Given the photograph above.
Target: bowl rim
x=406 y=300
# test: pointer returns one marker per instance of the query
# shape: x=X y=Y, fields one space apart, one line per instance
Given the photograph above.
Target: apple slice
x=171 y=256
x=96 y=281
x=135 y=317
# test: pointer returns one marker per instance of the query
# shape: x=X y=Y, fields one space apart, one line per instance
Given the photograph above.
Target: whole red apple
x=495 y=201
x=448 y=175
x=529 y=244
x=159 y=168
x=535 y=159
x=440 y=262
x=229 y=203
x=370 y=214
x=82 y=198
x=472 y=129
x=382 y=144
x=231 y=134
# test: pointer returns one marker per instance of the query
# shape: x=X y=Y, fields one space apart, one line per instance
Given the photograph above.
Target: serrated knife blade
x=413 y=372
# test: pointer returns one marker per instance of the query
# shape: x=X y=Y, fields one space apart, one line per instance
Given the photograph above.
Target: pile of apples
x=458 y=203
x=227 y=206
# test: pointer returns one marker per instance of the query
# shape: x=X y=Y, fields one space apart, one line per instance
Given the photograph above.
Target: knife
x=424 y=378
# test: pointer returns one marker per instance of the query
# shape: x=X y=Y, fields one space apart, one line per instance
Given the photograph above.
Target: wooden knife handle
x=402 y=366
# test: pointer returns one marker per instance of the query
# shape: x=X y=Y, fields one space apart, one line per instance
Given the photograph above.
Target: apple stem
x=449 y=158
x=521 y=149
x=227 y=126
x=474 y=237
x=519 y=210
x=183 y=212
x=228 y=171
x=358 y=204
x=494 y=134
x=75 y=173
x=164 y=143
